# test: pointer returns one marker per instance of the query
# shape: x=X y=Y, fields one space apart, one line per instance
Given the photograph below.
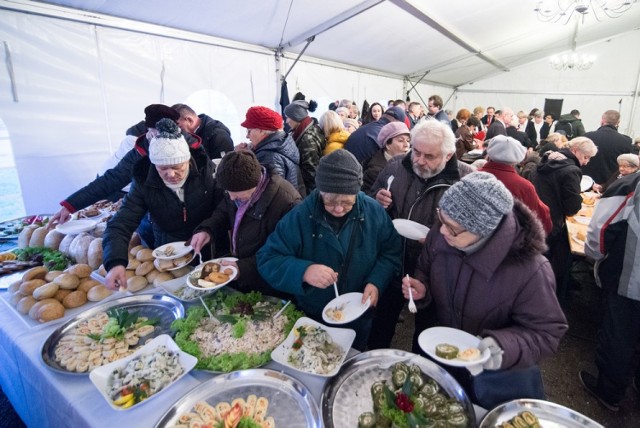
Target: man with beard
x=420 y=179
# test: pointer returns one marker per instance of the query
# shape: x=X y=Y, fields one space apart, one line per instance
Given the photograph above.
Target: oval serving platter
x=167 y=308
x=549 y=414
x=347 y=395
x=291 y=404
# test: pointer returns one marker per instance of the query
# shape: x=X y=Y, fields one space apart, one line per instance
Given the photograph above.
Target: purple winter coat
x=505 y=290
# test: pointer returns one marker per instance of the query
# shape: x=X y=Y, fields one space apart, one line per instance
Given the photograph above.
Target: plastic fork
x=389 y=181
x=335 y=287
x=412 y=305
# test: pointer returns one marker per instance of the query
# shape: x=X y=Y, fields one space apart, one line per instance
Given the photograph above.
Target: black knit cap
x=238 y=171
x=154 y=112
x=339 y=172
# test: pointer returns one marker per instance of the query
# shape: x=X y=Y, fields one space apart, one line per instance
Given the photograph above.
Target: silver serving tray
x=290 y=402
x=160 y=306
x=348 y=394
x=550 y=415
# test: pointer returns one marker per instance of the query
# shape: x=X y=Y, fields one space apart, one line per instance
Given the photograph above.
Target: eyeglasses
x=347 y=205
x=453 y=232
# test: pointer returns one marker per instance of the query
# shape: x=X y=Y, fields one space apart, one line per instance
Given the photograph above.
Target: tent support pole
x=309 y=40
x=634 y=104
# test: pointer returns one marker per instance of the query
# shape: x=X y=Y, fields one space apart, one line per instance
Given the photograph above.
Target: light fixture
x=564 y=10
x=572 y=61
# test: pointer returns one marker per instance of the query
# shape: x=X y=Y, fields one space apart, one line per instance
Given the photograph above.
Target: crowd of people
x=307 y=205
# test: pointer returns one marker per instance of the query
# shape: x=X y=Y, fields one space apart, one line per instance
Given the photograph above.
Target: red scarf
x=304 y=123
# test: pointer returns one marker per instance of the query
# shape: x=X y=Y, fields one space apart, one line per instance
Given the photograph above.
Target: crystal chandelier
x=563 y=10
x=572 y=61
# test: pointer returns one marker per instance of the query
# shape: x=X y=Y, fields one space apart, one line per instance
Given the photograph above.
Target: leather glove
x=495 y=361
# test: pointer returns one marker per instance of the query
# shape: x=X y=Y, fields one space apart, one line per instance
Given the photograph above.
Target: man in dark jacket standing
x=363 y=142
x=611 y=144
x=216 y=138
x=571 y=124
x=419 y=180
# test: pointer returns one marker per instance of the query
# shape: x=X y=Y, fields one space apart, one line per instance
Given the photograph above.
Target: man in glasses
x=337 y=235
x=420 y=179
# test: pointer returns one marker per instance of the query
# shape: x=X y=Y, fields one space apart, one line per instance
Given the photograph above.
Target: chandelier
x=572 y=61
x=563 y=10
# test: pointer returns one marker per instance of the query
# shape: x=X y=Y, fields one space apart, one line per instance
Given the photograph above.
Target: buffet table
x=577 y=225
x=45 y=398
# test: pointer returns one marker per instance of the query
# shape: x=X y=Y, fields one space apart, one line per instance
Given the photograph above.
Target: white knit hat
x=169 y=147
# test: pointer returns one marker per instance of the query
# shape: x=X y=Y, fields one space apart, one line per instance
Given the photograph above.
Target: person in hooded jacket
x=271 y=146
x=175 y=185
x=575 y=128
x=120 y=176
x=482 y=271
x=308 y=138
x=216 y=137
x=557 y=182
x=254 y=203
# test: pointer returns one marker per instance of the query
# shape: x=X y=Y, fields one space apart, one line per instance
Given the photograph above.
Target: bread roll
x=67 y=281
x=25 y=236
x=38 y=272
x=133 y=264
x=98 y=232
x=145 y=255
x=129 y=273
x=133 y=251
x=98 y=293
x=65 y=244
x=15 y=298
x=50 y=311
x=33 y=312
x=53 y=239
x=37 y=237
x=144 y=268
x=25 y=304
x=94 y=256
x=180 y=272
x=28 y=287
x=162 y=277
x=14 y=286
x=79 y=248
x=151 y=276
x=46 y=291
x=80 y=270
x=136 y=283
x=87 y=284
x=74 y=299
x=61 y=294
x=50 y=276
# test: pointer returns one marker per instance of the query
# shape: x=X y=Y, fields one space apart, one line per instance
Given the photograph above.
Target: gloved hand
x=495 y=360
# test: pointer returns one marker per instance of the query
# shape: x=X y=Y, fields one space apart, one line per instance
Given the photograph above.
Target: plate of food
x=242 y=333
x=74 y=227
x=314 y=348
x=168 y=265
x=249 y=398
x=401 y=385
x=172 y=250
x=530 y=412
x=211 y=275
x=109 y=332
x=345 y=308
x=452 y=347
x=410 y=229
x=151 y=370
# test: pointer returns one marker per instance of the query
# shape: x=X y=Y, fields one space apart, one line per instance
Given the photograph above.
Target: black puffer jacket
x=172 y=219
x=216 y=137
x=280 y=155
x=257 y=224
x=119 y=176
x=558 y=185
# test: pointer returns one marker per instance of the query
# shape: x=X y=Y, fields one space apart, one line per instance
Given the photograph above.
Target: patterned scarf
x=244 y=207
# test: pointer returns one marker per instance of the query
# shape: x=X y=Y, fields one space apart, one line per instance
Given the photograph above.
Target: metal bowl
x=167 y=308
x=347 y=395
x=549 y=414
x=290 y=402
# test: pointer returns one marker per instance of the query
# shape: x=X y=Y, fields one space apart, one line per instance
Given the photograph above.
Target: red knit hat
x=262 y=118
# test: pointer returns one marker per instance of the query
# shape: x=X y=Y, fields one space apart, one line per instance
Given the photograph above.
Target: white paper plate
x=100 y=376
x=192 y=278
x=410 y=229
x=156 y=263
x=352 y=308
x=431 y=337
x=586 y=183
x=342 y=337
x=73 y=227
x=179 y=250
x=582 y=219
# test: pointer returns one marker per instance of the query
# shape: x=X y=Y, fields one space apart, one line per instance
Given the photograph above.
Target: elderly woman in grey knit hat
x=482 y=271
x=337 y=235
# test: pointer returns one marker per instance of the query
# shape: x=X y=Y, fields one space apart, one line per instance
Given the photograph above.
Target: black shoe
x=590 y=383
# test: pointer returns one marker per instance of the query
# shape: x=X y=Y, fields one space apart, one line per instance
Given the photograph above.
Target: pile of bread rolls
x=45 y=295
x=141 y=270
x=84 y=248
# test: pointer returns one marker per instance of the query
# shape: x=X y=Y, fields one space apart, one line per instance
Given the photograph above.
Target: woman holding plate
x=482 y=271
x=336 y=235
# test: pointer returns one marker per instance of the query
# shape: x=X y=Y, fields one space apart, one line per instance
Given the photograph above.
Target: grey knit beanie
x=297 y=110
x=339 y=172
x=478 y=202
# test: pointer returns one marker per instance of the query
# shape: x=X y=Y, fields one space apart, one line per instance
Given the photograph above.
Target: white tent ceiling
x=456 y=42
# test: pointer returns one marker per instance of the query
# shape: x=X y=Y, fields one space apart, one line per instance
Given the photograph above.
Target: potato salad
x=314 y=350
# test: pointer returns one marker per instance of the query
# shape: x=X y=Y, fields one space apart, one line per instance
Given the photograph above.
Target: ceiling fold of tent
x=446 y=43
